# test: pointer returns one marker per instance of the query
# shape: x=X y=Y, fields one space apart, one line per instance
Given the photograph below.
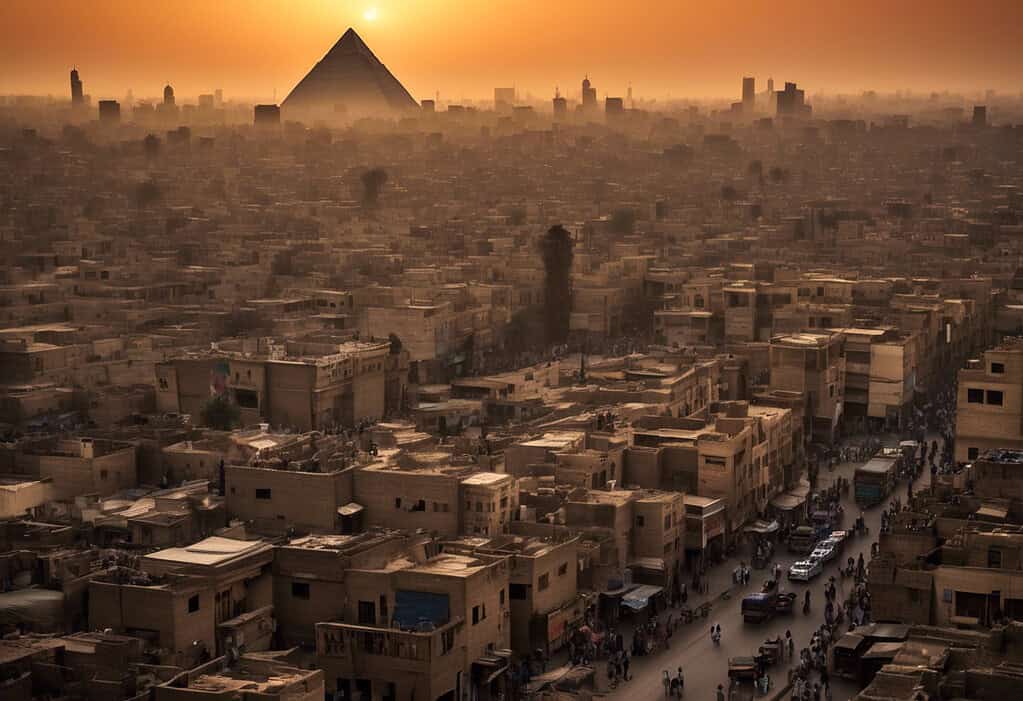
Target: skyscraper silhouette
x=168 y=95
x=77 y=98
x=749 y=94
x=589 y=95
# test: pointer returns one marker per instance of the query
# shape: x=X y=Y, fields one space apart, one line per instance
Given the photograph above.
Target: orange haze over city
x=465 y=48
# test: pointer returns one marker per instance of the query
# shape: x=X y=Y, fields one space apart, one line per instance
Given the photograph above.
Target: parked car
x=824 y=552
x=805 y=570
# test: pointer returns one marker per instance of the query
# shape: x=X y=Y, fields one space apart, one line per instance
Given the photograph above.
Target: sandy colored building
x=433 y=625
x=989 y=405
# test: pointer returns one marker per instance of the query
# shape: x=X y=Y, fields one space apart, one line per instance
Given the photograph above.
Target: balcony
x=357 y=647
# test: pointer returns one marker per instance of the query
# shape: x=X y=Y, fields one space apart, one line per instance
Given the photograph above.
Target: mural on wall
x=219 y=373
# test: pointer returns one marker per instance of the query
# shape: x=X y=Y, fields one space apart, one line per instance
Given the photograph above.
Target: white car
x=805 y=570
x=824 y=552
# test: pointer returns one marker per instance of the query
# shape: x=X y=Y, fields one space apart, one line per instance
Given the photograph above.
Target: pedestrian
x=681 y=682
x=721 y=693
x=667 y=684
x=625 y=666
x=791 y=643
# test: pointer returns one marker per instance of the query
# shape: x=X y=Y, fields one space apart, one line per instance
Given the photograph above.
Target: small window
x=263 y=494
x=397 y=502
x=972 y=453
x=475 y=615
x=994 y=557
x=193 y=603
x=994 y=397
x=300 y=590
x=517 y=592
x=103 y=474
x=562 y=569
x=975 y=396
x=500 y=597
x=640 y=521
x=544 y=581
x=997 y=368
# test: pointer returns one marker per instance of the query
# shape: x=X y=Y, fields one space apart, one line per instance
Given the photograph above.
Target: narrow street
x=704 y=664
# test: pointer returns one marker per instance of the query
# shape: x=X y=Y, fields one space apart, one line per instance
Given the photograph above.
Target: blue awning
x=415 y=610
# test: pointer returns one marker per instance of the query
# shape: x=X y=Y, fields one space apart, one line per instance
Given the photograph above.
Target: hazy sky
x=464 y=48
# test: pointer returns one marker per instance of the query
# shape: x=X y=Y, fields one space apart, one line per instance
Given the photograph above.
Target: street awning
x=787 y=502
x=762 y=527
x=639 y=598
x=648 y=563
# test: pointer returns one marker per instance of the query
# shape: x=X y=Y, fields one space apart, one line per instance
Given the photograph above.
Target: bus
x=874 y=481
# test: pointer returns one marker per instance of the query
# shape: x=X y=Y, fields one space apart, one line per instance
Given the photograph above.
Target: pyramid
x=352 y=78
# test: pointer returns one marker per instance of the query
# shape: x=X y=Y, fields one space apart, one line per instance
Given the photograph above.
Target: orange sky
x=464 y=48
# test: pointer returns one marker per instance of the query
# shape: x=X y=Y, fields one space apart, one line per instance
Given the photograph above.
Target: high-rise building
x=77 y=97
x=109 y=111
x=791 y=101
x=168 y=95
x=267 y=116
x=504 y=99
x=428 y=106
x=218 y=97
x=614 y=106
x=206 y=102
x=589 y=95
x=749 y=94
x=980 y=115
x=560 y=104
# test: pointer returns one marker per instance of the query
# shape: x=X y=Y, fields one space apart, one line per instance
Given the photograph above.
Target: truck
x=802 y=540
x=758 y=608
x=874 y=481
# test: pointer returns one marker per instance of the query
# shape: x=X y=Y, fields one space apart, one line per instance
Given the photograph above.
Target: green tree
x=220 y=413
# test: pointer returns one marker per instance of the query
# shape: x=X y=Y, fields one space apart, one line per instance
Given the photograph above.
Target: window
x=997 y=368
x=972 y=453
x=500 y=597
x=994 y=558
x=517 y=592
x=263 y=494
x=475 y=615
x=383 y=608
x=397 y=502
x=544 y=581
x=300 y=590
x=193 y=603
x=975 y=396
x=103 y=474
x=562 y=569
x=246 y=398
x=994 y=397
x=367 y=613
x=640 y=521
x=667 y=521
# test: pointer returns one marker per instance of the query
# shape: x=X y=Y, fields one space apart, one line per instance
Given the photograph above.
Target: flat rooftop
x=212 y=551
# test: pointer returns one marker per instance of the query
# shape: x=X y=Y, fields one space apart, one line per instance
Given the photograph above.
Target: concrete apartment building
x=301 y=385
x=542 y=589
x=188 y=594
x=445 y=500
x=880 y=377
x=989 y=405
x=309 y=578
x=813 y=364
x=428 y=625
x=79 y=466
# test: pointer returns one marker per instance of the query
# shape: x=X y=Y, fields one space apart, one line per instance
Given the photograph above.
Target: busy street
x=700 y=656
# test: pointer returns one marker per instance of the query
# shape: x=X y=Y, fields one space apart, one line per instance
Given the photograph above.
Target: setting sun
x=370 y=14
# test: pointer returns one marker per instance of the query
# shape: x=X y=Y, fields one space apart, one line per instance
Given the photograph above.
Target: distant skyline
x=249 y=48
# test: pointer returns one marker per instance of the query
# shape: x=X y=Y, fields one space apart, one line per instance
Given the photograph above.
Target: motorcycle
x=715 y=636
